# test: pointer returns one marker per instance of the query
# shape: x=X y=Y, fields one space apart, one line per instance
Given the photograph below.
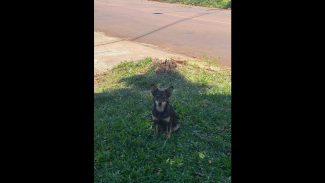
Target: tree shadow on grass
x=126 y=148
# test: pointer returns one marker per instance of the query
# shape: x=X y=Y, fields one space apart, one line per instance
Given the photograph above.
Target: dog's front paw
x=167 y=135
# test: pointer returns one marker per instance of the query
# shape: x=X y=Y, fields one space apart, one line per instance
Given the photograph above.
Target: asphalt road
x=189 y=30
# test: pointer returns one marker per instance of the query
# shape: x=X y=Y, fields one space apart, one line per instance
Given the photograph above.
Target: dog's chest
x=161 y=119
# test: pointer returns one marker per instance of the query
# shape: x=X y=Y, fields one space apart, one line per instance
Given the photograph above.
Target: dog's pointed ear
x=169 y=91
x=154 y=88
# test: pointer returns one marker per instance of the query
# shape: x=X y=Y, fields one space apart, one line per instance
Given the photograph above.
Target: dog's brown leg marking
x=157 y=129
x=169 y=130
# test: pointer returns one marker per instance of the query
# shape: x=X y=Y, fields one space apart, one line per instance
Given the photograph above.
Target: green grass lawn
x=208 y=3
x=126 y=149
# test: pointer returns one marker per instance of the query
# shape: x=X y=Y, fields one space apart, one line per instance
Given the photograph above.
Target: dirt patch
x=164 y=66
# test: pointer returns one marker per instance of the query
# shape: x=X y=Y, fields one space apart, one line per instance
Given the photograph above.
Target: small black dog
x=163 y=114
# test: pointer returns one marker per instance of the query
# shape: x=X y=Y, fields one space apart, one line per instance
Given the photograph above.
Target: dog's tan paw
x=168 y=135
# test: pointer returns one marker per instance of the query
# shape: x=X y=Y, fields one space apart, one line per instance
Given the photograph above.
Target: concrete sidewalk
x=106 y=56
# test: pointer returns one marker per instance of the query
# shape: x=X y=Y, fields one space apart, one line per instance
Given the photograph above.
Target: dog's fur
x=163 y=114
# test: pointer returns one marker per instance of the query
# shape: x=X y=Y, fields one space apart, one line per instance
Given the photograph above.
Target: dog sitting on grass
x=163 y=114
